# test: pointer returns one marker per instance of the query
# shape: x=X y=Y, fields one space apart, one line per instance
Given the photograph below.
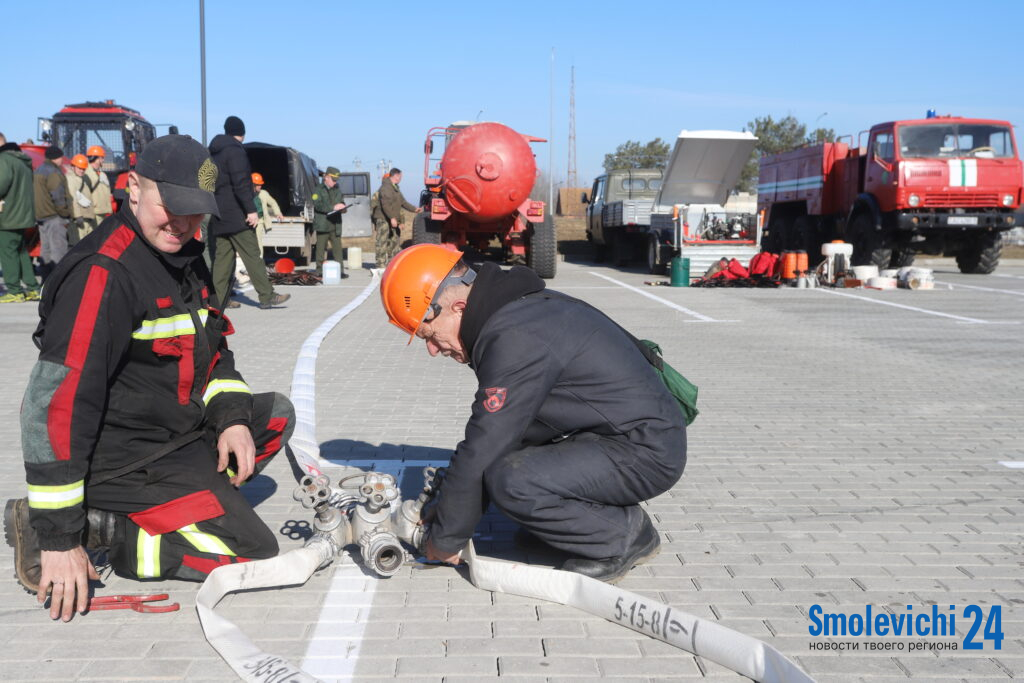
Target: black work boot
x=99 y=529
x=22 y=537
x=645 y=545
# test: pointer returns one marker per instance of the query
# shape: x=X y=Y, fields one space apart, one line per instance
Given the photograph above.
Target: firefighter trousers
x=178 y=517
x=580 y=495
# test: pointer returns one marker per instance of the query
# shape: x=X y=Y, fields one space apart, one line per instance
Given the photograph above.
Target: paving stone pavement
x=847 y=454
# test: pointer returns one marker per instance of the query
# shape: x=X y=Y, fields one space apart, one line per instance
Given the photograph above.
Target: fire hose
x=372 y=516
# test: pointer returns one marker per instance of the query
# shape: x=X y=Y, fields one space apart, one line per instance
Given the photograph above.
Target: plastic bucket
x=865 y=273
x=332 y=273
x=801 y=262
x=789 y=265
x=680 y=272
x=355 y=258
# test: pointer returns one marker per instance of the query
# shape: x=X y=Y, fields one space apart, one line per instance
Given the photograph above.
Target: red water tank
x=488 y=170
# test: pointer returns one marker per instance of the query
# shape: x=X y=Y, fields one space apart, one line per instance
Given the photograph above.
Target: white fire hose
x=736 y=651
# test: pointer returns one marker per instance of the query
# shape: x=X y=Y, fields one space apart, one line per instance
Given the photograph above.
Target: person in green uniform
x=327 y=207
x=387 y=217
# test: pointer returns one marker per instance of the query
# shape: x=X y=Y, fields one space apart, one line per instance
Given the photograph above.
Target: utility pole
x=571 y=178
x=202 y=63
x=551 y=134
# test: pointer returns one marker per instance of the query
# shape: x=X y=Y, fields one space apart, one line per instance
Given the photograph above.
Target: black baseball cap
x=183 y=172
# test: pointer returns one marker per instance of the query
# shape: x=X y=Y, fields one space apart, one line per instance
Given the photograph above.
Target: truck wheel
x=654 y=265
x=542 y=251
x=981 y=255
x=425 y=231
x=869 y=247
x=902 y=257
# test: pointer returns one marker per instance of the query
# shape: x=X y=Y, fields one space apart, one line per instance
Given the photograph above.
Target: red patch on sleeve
x=164 y=302
x=495 y=399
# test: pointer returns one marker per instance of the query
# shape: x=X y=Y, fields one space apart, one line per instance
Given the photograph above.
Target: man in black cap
x=136 y=426
x=52 y=209
x=233 y=231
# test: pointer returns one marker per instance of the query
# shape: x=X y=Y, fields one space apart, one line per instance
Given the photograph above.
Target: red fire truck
x=941 y=185
x=120 y=130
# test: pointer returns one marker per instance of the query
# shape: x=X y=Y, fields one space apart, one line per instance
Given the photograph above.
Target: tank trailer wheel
x=542 y=249
x=425 y=231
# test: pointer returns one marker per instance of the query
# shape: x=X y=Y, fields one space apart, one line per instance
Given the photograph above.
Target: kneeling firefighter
x=571 y=426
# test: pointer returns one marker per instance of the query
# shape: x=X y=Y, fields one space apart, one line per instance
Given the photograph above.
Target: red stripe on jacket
x=59 y=416
x=118 y=241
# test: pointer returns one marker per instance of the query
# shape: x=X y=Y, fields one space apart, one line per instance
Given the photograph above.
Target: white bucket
x=355 y=258
x=890 y=272
x=332 y=273
x=865 y=273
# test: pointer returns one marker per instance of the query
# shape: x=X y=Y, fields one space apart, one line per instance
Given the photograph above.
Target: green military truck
x=619 y=213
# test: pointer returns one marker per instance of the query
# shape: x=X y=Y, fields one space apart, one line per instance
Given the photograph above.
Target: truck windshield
x=75 y=138
x=949 y=140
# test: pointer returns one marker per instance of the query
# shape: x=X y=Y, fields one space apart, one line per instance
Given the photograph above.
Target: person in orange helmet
x=80 y=190
x=266 y=208
x=102 y=204
x=571 y=426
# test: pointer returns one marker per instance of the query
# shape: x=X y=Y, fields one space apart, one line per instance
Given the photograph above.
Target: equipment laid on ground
x=137 y=603
x=694 y=215
x=479 y=189
x=942 y=185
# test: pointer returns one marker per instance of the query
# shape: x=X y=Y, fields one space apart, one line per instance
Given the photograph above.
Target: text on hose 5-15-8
x=934 y=622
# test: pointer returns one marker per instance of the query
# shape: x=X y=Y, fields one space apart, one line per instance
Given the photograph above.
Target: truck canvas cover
x=703 y=167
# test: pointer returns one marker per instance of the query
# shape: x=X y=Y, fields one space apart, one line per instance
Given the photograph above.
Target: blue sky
x=341 y=80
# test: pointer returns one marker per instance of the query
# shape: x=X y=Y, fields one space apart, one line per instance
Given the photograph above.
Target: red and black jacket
x=132 y=357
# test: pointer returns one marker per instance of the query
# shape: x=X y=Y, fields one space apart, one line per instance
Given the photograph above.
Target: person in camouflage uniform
x=327 y=200
x=387 y=217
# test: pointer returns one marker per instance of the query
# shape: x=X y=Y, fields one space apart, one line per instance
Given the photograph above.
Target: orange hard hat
x=284 y=265
x=410 y=281
x=80 y=161
x=96 y=151
x=257 y=179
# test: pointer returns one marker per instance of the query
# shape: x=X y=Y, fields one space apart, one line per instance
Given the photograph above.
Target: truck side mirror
x=429 y=147
x=584 y=199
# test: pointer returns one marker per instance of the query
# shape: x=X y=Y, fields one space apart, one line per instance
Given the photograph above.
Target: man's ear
x=133 y=182
x=459 y=305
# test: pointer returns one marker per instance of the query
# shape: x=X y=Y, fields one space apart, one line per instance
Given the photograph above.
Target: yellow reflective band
x=218 y=386
x=207 y=543
x=175 y=326
x=147 y=548
x=55 y=497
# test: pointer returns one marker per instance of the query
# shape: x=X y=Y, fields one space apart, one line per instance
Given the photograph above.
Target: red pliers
x=139 y=603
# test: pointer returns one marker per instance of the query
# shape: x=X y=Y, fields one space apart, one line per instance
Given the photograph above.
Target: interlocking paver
x=846 y=455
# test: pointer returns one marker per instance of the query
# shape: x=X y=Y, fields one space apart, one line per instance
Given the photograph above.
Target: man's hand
x=435 y=555
x=394 y=222
x=252 y=219
x=419 y=209
x=237 y=439
x=68 y=572
x=340 y=206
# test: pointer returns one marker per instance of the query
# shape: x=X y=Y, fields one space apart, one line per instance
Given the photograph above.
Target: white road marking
x=1016 y=277
x=1013 y=464
x=699 y=316
x=983 y=289
x=905 y=307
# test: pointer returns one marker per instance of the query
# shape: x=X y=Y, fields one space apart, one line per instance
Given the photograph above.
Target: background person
x=266 y=208
x=80 y=194
x=233 y=231
x=327 y=208
x=17 y=214
x=100 y=182
x=136 y=426
x=387 y=218
x=52 y=209
x=571 y=427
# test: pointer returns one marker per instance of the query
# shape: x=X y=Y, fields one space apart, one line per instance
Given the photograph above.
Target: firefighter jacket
x=132 y=362
x=51 y=192
x=80 y=185
x=392 y=202
x=324 y=199
x=16 y=193
x=100 y=184
x=549 y=367
x=267 y=209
